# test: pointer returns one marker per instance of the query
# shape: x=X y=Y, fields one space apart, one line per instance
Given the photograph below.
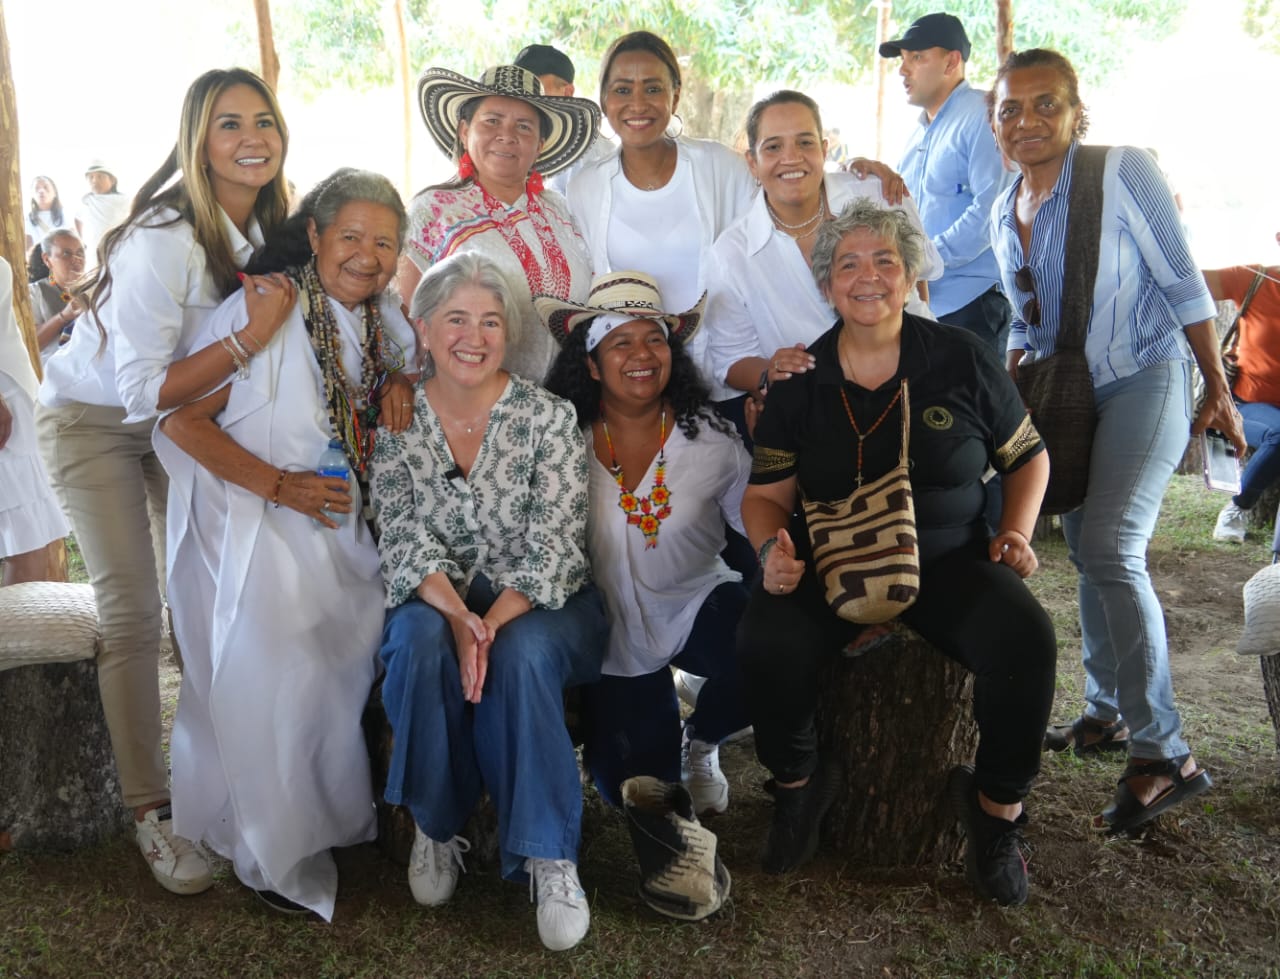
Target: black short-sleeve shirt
x=966 y=414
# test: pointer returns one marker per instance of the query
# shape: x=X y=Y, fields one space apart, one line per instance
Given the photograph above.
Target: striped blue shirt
x=1148 y=288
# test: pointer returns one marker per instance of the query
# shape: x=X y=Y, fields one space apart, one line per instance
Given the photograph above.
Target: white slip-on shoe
x=177 y=864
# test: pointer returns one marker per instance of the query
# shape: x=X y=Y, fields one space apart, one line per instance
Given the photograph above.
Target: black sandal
x=1108 y=737
x=1127 y=812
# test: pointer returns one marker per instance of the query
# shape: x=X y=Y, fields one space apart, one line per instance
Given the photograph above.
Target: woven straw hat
x=1261 y=635
x=574 y=122
x=632 y=294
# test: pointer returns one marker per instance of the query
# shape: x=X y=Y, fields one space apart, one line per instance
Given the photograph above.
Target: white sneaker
x=1231 y=524
x=176 y=863
x=563 y=913
x=701 y=775
x=434 y=868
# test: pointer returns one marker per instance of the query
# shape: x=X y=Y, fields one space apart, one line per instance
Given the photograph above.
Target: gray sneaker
x=1232 y=524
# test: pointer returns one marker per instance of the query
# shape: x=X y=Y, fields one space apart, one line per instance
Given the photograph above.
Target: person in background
x=1257 y=388
x=505 y=136
x=1147 y=314
x=274 y=568
x=30 y=518
x=63 y=258
x=954 y=172
x=101 y=209
x=193 y=225
x=45 y=213
x=556 y=73
x=666 y=476
x=491 y=613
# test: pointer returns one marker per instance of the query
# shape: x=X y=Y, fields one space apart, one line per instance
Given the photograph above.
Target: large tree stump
x=58 y=782
x=1271 y=687
x=898 y=718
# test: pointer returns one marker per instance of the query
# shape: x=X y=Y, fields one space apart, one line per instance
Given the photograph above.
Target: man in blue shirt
x=954 y=171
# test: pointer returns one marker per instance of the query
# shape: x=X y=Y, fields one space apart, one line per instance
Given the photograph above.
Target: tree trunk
x=1271 y=687
x=1004 y=30
x=882 y=73
x=406 y=97
x=898 y=719
x=11 y=192
x=267 y=44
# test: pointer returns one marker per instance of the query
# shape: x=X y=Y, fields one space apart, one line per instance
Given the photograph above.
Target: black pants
x=971 y=608
x=989 y=318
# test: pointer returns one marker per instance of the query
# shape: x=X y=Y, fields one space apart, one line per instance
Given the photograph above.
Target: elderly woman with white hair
x=889 y=392
x=491 y=610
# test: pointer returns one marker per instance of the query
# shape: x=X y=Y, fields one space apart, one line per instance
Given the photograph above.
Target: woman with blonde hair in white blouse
x=491 y=612
x=164 y=271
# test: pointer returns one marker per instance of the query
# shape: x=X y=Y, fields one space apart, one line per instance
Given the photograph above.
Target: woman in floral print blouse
x=483 y=506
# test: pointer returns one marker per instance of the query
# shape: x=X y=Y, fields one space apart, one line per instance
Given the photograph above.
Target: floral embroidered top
x=535 y=244
x=519 y=517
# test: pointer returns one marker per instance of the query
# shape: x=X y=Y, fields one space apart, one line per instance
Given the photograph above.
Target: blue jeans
x=633 y=722
x=1262 y=432
x=514 y=742
x=1143 y=425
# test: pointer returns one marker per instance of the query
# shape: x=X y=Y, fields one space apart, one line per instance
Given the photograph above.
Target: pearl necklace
x=812 y=223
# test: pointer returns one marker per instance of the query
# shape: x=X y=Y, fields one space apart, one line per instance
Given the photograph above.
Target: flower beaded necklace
x=353 y=409
x=645 y=512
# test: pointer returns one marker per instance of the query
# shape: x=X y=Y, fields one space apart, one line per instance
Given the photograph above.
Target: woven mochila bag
x=864 y=547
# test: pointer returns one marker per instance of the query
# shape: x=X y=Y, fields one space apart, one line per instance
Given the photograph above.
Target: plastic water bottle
x=333 y=462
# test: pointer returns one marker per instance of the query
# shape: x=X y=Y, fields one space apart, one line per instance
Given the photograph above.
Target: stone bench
x=58 y=782
x=898 y=718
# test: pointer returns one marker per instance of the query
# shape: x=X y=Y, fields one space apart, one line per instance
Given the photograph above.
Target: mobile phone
x=1221 y=467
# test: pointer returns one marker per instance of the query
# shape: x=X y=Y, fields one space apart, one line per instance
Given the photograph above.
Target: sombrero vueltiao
x=628 y=295
x=574 y=122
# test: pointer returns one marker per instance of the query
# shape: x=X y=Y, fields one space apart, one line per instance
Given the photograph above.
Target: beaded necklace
x=353 y=409
x=549 y=279
x=62 y=293
x=862 y=436
x=645 y=512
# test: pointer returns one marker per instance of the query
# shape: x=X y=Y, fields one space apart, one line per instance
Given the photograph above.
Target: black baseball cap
x=543 y=59
x=930 y=31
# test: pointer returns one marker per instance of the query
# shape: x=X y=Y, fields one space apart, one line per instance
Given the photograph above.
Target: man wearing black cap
x=954 y=171
x=556 y=73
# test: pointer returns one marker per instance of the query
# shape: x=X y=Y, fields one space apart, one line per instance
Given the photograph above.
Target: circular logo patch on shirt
x=939 y=419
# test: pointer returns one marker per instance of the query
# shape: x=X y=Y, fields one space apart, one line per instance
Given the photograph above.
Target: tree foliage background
x=725 y=46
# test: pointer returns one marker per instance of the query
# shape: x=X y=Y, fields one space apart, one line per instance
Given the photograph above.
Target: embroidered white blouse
x=518 y=518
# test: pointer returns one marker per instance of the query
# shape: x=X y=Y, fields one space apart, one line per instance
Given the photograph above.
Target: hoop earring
x=679 y=132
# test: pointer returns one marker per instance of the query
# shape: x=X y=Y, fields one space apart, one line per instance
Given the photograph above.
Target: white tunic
x=279 y=622
x=29 y=513
x=654 y=594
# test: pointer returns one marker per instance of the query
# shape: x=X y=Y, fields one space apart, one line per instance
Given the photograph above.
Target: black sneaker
x=280 y=903
x=797 y=816
x=993 y=860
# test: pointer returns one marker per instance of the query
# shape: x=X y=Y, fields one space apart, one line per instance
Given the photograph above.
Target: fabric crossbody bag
x=864 y=547
x=1058 y=390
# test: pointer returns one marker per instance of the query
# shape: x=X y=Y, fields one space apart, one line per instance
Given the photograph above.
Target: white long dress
x=30 y=516
x=279 y=622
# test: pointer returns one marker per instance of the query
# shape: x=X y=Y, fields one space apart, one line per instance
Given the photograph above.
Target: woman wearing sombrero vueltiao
x=505 y=136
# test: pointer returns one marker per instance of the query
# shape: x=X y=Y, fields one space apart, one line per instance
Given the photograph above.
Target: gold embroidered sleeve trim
x=1025 y=439
x=770 y=462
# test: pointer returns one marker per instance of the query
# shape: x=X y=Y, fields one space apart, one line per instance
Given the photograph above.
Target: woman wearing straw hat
x=677 y=472
x=505 y=136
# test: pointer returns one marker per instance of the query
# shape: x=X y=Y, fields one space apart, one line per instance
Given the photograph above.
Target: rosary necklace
x=863 y=435
x=645 y=512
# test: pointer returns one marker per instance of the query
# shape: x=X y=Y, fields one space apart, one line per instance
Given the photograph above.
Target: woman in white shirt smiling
x=677 y=471
x=164 y=270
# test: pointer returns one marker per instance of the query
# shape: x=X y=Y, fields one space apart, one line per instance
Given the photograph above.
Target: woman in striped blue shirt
x=1150 y=313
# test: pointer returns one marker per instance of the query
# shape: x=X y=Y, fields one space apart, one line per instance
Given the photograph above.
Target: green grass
x=1199 y=895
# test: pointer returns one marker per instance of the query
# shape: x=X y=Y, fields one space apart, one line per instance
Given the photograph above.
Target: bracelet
x=241 y=364
x=252 y=339
x=765 y=548
x=240 y=347
x=275 y=495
